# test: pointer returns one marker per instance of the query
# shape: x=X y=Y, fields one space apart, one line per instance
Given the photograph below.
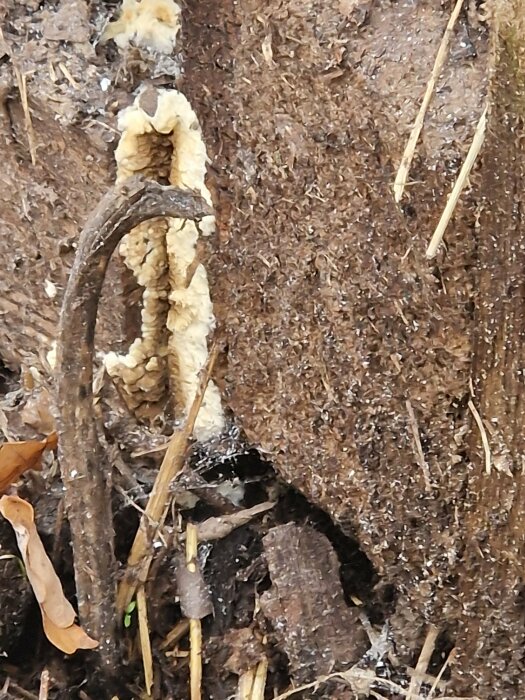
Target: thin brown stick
x=419 y=449
x=406 y=160
x=140 y=556
x=85 y=474
x=195 y=624
x=145 y=643
x=15 y=688
x=422 y=663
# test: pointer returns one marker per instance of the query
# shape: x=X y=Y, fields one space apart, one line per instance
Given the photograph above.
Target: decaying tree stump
x=351 y=356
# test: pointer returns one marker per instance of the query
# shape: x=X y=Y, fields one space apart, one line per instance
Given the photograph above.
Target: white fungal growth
x=177 y=314
x=151 y=24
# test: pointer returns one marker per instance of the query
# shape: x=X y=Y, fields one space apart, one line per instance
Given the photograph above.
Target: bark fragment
x=306 y=605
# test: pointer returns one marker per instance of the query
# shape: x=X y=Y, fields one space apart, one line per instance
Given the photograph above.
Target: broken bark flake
x=195 y=598
x=306 y=604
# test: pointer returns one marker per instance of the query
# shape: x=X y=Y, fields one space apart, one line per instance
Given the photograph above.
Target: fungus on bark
x=151 y=24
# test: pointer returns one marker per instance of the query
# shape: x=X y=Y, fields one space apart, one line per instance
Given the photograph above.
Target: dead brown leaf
x=18 y=457
x=67 y=639
x=38 y=412
x=58 y=615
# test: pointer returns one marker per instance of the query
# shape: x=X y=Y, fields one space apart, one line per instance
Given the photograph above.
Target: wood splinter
x=85 y=473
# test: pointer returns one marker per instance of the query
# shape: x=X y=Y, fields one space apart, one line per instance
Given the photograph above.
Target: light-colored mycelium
x=177 y=312
x=151 y=24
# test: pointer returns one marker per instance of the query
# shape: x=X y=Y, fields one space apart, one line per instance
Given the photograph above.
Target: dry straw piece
x=484 y=438
x=422 y=663
x=406 y=160
x=144 y=638
x=473 y=152
x=192 y=542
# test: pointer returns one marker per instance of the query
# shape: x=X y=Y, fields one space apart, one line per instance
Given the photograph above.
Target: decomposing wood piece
x=491 y=572
x=85 y=474
x=306 y=604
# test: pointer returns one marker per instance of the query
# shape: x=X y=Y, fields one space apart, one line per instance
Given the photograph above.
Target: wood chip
x=218 y=527
x=306 y=604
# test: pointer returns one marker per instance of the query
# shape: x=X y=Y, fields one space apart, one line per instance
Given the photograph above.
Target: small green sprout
x=127 y=615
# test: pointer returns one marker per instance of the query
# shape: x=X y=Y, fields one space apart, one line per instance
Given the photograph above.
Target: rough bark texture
x=334 y=316
x=46 y=204
x=491 y=575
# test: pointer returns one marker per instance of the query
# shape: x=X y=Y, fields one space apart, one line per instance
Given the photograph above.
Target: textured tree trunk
x=351 y=357
x=491 y=581
x=43 y=209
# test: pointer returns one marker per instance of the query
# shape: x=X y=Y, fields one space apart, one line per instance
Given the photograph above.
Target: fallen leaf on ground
x=38 y=412
x=58 y=615
x=18 y=457
x=67 y=639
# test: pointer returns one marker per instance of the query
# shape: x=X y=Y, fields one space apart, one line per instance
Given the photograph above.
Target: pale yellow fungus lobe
x=150 y=24
x=177 y=316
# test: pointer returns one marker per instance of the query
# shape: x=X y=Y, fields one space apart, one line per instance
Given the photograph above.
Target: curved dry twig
x=85 y=473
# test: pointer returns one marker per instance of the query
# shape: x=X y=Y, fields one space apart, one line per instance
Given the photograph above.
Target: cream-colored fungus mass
x=150 y=24
x=177 y=312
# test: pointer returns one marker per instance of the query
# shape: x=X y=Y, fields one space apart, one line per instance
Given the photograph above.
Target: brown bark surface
x=306 y=605
x=491 y=574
